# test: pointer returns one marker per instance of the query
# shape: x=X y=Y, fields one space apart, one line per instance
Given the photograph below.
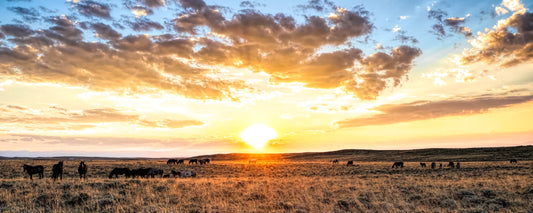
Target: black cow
x=57 y=171
x=335 y=161
x=195 y=161
x=433 y=165
x=458 y=165
x=206 y=161
x=155 y=171
x=180 y=162
x=120 y=171
x=513 y=161
x=174 y=173
x=423 y=165
x=172 y=161
x=141 y=172
x=82 y=170
x=397 y=165
x=451 y=164
x=34 y=170
x=349 y=163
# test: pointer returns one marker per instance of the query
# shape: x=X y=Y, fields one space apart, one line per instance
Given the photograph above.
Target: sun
x=258 y=135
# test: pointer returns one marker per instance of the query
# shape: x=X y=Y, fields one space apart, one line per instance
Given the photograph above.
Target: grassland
x=272 y=186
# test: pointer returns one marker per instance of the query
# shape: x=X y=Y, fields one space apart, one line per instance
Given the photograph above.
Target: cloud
x=91 y=8
x=28 y=14
x=188 y=63
x=318 y=5
x=16 y=30
x=453 y=23
x=58 y=118
x=423 y=110
x=105 y=31
x=501 y=45
x=145 y=25
x=139 y=11
x=251 y=4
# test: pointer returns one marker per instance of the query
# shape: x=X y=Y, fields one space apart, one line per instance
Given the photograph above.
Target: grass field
x=272 y=186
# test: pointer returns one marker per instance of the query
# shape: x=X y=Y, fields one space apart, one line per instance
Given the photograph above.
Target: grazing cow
x=82 y=170
x=120 y=171
x=155 y=171
x=440 y=166
x=180 y=162
x=349 y=163
x=513 y=161
x=423 y=165
x=172 y=161
x=141 y=172
x=57 y=171
x=451 y=164
x=207 y=161
x=335 y=161
x=166 y=176
x=188 y=174
x=397 y=165
x=34 y=170
x=433 y=165
x=458 y=165
x=201 y=161
x=174 y=173
x=195 y=161
x=252 y=161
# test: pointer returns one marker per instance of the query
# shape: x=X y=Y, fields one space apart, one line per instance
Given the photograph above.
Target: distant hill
x=463 y=154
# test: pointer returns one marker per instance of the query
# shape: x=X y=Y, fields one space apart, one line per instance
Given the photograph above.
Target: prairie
x=277 y=185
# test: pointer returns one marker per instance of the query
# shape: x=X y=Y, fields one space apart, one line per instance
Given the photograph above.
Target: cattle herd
x=57 y=169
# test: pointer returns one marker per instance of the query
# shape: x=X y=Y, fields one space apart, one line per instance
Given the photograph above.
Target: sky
x=179 y=78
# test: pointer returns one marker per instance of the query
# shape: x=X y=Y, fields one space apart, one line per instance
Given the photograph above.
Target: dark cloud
x=251 y=4
x=453 y=23
x=423 y=110
x=105 y=31
x=145 y=25
x=28 y=14
x=153 y=3
x=318 y=5
x=91 y=8
x=502 y=46
x=404 y=38
x=16 y=30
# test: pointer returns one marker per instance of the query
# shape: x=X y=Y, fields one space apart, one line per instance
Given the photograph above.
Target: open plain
x=275 y=185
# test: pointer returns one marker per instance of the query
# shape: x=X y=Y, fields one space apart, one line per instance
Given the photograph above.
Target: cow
x=451 y=164
x=349 y=163
x=458 y=165
x=201 y=161
x=423 y=165
x=195 y=161
x=120 y=171
x=513 y=161
x=252 y=161
x=57 y=171
x=188 y=174
x=180 y=162
x=174 y=173
x=206 y=161
x=172 y=161
x=155 y=171
x=433 y=165
x=335 y=161
x=140 y=172
x=34 y=170
x=397 y=165
x=82 y=170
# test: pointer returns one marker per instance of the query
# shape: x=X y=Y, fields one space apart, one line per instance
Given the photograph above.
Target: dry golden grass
x=272 y=186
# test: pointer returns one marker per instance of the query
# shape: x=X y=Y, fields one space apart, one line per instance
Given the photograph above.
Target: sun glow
x=258 y=135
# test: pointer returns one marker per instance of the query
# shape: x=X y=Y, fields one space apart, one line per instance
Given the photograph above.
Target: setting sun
x=258 y=135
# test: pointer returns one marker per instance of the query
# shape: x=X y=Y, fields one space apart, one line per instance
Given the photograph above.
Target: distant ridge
x=432 y=154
